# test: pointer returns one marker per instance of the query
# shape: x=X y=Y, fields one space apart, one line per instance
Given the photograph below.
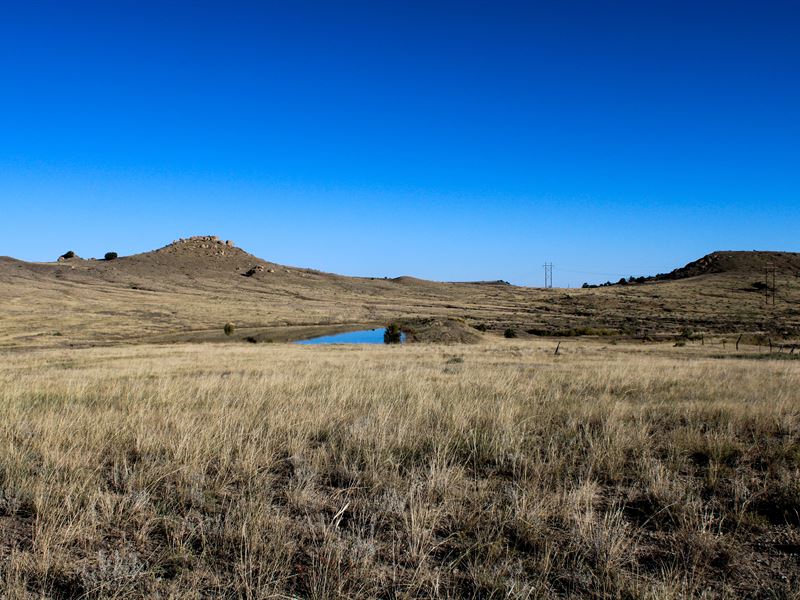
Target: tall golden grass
x=497 y=470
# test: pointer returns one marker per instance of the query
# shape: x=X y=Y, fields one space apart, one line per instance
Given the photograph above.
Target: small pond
x=365 y=336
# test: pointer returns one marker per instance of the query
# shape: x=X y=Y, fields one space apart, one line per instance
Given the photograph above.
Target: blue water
x=366 y=336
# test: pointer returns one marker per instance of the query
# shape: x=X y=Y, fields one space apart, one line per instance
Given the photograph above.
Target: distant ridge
x=211 y=254
x=187 y=290
x=487 y=282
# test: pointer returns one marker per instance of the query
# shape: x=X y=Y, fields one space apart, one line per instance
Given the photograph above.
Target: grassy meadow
x=423 y=471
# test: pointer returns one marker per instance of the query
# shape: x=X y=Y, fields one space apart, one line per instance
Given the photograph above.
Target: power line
x=617 y=274
x=548 y=275
x=631 y=268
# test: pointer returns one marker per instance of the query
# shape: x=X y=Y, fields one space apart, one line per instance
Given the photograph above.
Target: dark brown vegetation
x=392 y=334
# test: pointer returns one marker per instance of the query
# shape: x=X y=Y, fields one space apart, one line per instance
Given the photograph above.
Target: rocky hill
x=728 y=261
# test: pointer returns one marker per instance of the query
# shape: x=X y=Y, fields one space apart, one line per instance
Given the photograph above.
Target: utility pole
x=770 y=276
x=548 y=275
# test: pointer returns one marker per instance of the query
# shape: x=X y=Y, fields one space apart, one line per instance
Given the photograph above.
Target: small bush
x=111 y=256
x=690 y=334
x=481 y=327
x=68 y=254
x=393 y=334
x=510 y=333
x=229 y=328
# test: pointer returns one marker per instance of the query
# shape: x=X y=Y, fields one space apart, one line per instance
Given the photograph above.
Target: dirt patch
x=15 y=533
x=439 y=331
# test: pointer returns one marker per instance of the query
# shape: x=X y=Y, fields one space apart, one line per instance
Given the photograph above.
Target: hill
x=741 y=262
x=188 y=289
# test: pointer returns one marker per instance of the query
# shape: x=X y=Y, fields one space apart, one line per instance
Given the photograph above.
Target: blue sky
x=448 y=140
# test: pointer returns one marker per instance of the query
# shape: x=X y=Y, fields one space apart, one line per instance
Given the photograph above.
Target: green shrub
x=68 y=254
x=111 y=255
x=229 y=328
x=510 y=333
x=393 y=334
x=481 y=327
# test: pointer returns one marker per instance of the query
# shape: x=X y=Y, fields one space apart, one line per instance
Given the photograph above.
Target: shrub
x=229 y=328
x=510 y=333
x=68 y=254
x=110 y=255
x=689 y=334
x=393 y=334
x=481 y=327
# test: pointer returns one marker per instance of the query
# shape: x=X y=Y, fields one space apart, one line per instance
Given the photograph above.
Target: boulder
x=253 y=271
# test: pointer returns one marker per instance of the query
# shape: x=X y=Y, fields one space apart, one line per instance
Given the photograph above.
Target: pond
x=365 y=336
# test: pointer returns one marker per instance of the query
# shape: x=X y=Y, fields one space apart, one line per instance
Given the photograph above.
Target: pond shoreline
x=371 y=336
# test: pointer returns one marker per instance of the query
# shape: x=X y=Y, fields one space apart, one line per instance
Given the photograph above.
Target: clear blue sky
x=448 y=140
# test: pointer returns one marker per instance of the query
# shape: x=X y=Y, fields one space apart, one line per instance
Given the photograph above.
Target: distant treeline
x=633 y=280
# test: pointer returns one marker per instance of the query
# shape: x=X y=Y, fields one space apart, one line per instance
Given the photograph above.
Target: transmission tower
x=548 y=275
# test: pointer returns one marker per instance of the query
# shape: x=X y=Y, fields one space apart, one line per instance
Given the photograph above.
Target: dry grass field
x=187 y=291
x=420 y=471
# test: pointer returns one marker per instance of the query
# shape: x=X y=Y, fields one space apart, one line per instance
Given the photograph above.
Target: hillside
x=741 y=262
x=188 y=289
